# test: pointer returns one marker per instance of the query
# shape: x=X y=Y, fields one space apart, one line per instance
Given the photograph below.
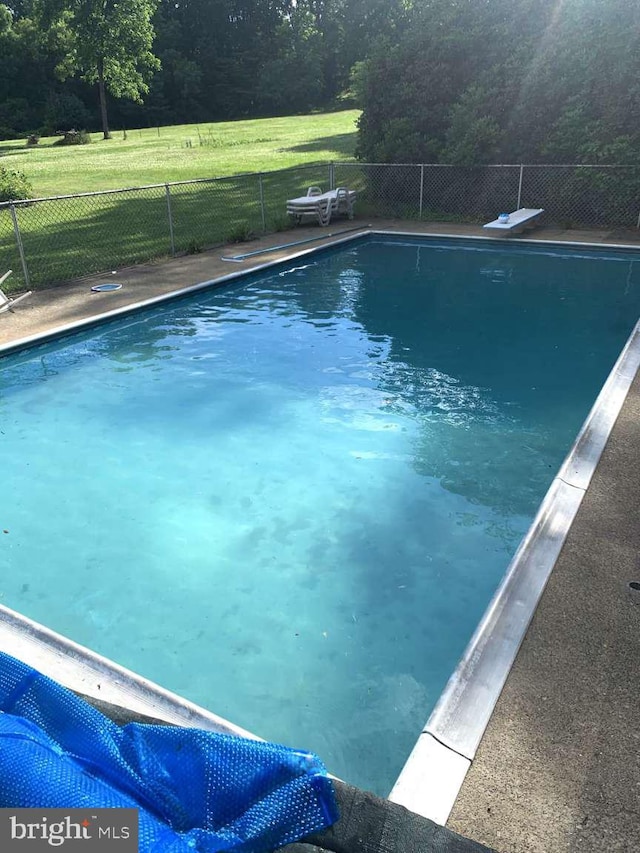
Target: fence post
x=421 y=186
x=16 y=231
x=520 y=187
x=262 y=212
x=171 y=237
x=332 y=177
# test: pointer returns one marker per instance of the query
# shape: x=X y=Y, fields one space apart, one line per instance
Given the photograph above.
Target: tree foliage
x=108 y=43
x=14 y=185
x=112 y=39
x=218 y=58
x=455 y=81
x=27 y=64
x=478 y=81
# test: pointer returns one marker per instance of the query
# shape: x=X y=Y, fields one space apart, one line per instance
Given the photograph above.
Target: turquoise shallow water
x=290 y=500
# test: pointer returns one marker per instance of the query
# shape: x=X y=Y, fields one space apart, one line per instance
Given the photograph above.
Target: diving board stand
x=526 y=217
x=6 y=302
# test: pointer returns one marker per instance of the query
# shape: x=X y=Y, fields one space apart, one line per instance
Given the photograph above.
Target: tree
x=298 y=62
x=28 y=57
x=220 y=58
x=109 y=44
x=478 y=81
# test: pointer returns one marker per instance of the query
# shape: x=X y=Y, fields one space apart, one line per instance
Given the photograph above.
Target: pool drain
x=106 y=288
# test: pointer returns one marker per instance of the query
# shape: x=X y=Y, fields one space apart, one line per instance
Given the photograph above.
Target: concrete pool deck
x=558 y=767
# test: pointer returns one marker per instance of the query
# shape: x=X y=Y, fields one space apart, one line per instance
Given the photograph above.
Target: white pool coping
x=435 y=770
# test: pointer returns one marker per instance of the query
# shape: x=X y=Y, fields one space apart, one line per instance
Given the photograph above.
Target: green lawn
x=182 y=152
x=67 y=238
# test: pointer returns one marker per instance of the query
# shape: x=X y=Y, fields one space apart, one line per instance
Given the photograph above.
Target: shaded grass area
x=68 y=238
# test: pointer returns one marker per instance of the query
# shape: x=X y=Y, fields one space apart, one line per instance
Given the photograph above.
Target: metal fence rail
x=53 y=239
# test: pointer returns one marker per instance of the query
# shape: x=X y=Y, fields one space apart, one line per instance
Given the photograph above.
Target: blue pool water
x=291 y=499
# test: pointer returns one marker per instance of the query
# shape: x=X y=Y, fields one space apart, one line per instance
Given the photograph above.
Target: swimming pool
x=291 y=499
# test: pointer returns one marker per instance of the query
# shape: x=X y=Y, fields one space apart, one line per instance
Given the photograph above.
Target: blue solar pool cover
x=195 y=790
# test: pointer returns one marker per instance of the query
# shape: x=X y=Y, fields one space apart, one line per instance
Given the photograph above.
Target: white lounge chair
x=322 y=206
x=526 y=217
x=6 y=302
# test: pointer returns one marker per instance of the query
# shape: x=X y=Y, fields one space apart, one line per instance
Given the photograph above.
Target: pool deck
x=558 y=769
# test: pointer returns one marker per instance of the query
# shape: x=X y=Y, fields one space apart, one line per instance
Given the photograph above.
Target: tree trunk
x=103 y=102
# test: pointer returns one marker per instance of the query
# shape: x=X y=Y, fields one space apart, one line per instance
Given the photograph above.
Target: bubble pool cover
x=195 y=790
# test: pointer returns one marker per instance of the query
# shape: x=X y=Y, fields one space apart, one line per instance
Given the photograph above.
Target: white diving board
x=526 y=217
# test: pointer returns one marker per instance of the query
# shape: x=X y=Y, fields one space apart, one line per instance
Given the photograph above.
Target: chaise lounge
x=322 y=206
x=6 y=302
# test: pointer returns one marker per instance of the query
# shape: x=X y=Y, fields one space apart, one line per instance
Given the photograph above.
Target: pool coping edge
x=81 y=669
x=464 y=708
x=525 y=578
x=136 y=307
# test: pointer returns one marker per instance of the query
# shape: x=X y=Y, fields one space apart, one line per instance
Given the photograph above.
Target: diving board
x=526 y=217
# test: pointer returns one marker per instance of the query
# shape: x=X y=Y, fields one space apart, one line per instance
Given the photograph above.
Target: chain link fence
x=9 y=247
x=55 y=239
x=592 y=196
x=588 y=196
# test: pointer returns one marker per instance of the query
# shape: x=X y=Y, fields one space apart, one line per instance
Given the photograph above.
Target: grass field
x=182 y=152
x=68 y=238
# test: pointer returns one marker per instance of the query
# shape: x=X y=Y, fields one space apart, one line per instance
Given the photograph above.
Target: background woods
x=450 y=81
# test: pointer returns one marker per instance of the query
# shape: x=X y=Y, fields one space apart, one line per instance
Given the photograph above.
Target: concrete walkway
x=558 y=770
